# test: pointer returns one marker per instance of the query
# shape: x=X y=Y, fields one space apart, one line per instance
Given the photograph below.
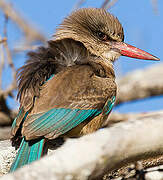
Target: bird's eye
x=102 y=36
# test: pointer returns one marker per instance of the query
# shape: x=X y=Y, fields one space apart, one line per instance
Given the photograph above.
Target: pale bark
x=91 y=156
x=141 y=84
x=115 y=117
x=5 y=132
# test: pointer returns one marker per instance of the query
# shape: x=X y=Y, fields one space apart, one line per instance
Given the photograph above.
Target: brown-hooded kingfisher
x=68 y=88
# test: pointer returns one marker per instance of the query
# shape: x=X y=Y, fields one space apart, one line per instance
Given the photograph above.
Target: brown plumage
x=75 y=41
x=79 y=96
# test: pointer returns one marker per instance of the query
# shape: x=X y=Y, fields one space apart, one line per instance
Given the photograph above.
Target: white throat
x=111 y=55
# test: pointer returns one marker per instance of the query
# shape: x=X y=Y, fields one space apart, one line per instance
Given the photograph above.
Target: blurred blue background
x=143 y=28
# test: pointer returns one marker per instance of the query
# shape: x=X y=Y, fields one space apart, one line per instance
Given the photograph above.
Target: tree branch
x=13 y=85
x=141 y=84
x=30 y=32
x=115 y=117
x=78 y=4
x=5 y=131
x=107 y=4
x=155 y=6
x=91 y=156
x=2 y=61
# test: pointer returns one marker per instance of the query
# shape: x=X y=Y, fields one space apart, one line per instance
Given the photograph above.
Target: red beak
x=127 y=50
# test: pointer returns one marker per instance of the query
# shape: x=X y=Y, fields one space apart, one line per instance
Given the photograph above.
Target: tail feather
x=28 y=152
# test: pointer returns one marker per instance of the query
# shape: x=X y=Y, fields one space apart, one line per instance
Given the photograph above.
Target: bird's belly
x=86 y=127
x=91 y=125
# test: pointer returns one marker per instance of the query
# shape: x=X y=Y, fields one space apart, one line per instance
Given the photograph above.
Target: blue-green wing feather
x=28 y=152
x=57 y=121
x=60 y=120
x=109 y=106
x=17 y=117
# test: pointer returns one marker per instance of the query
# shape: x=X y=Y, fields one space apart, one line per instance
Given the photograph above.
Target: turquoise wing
x=56 y=121
x=28 y=152
x=17 y=117
x=108 y=106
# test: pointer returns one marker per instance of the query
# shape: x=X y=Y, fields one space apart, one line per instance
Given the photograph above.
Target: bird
x=67 y=88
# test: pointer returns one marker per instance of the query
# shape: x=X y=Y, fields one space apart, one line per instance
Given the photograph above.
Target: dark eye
x=102 y=36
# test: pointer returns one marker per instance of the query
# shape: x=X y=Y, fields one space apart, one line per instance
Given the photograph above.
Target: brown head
x=100 y=32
